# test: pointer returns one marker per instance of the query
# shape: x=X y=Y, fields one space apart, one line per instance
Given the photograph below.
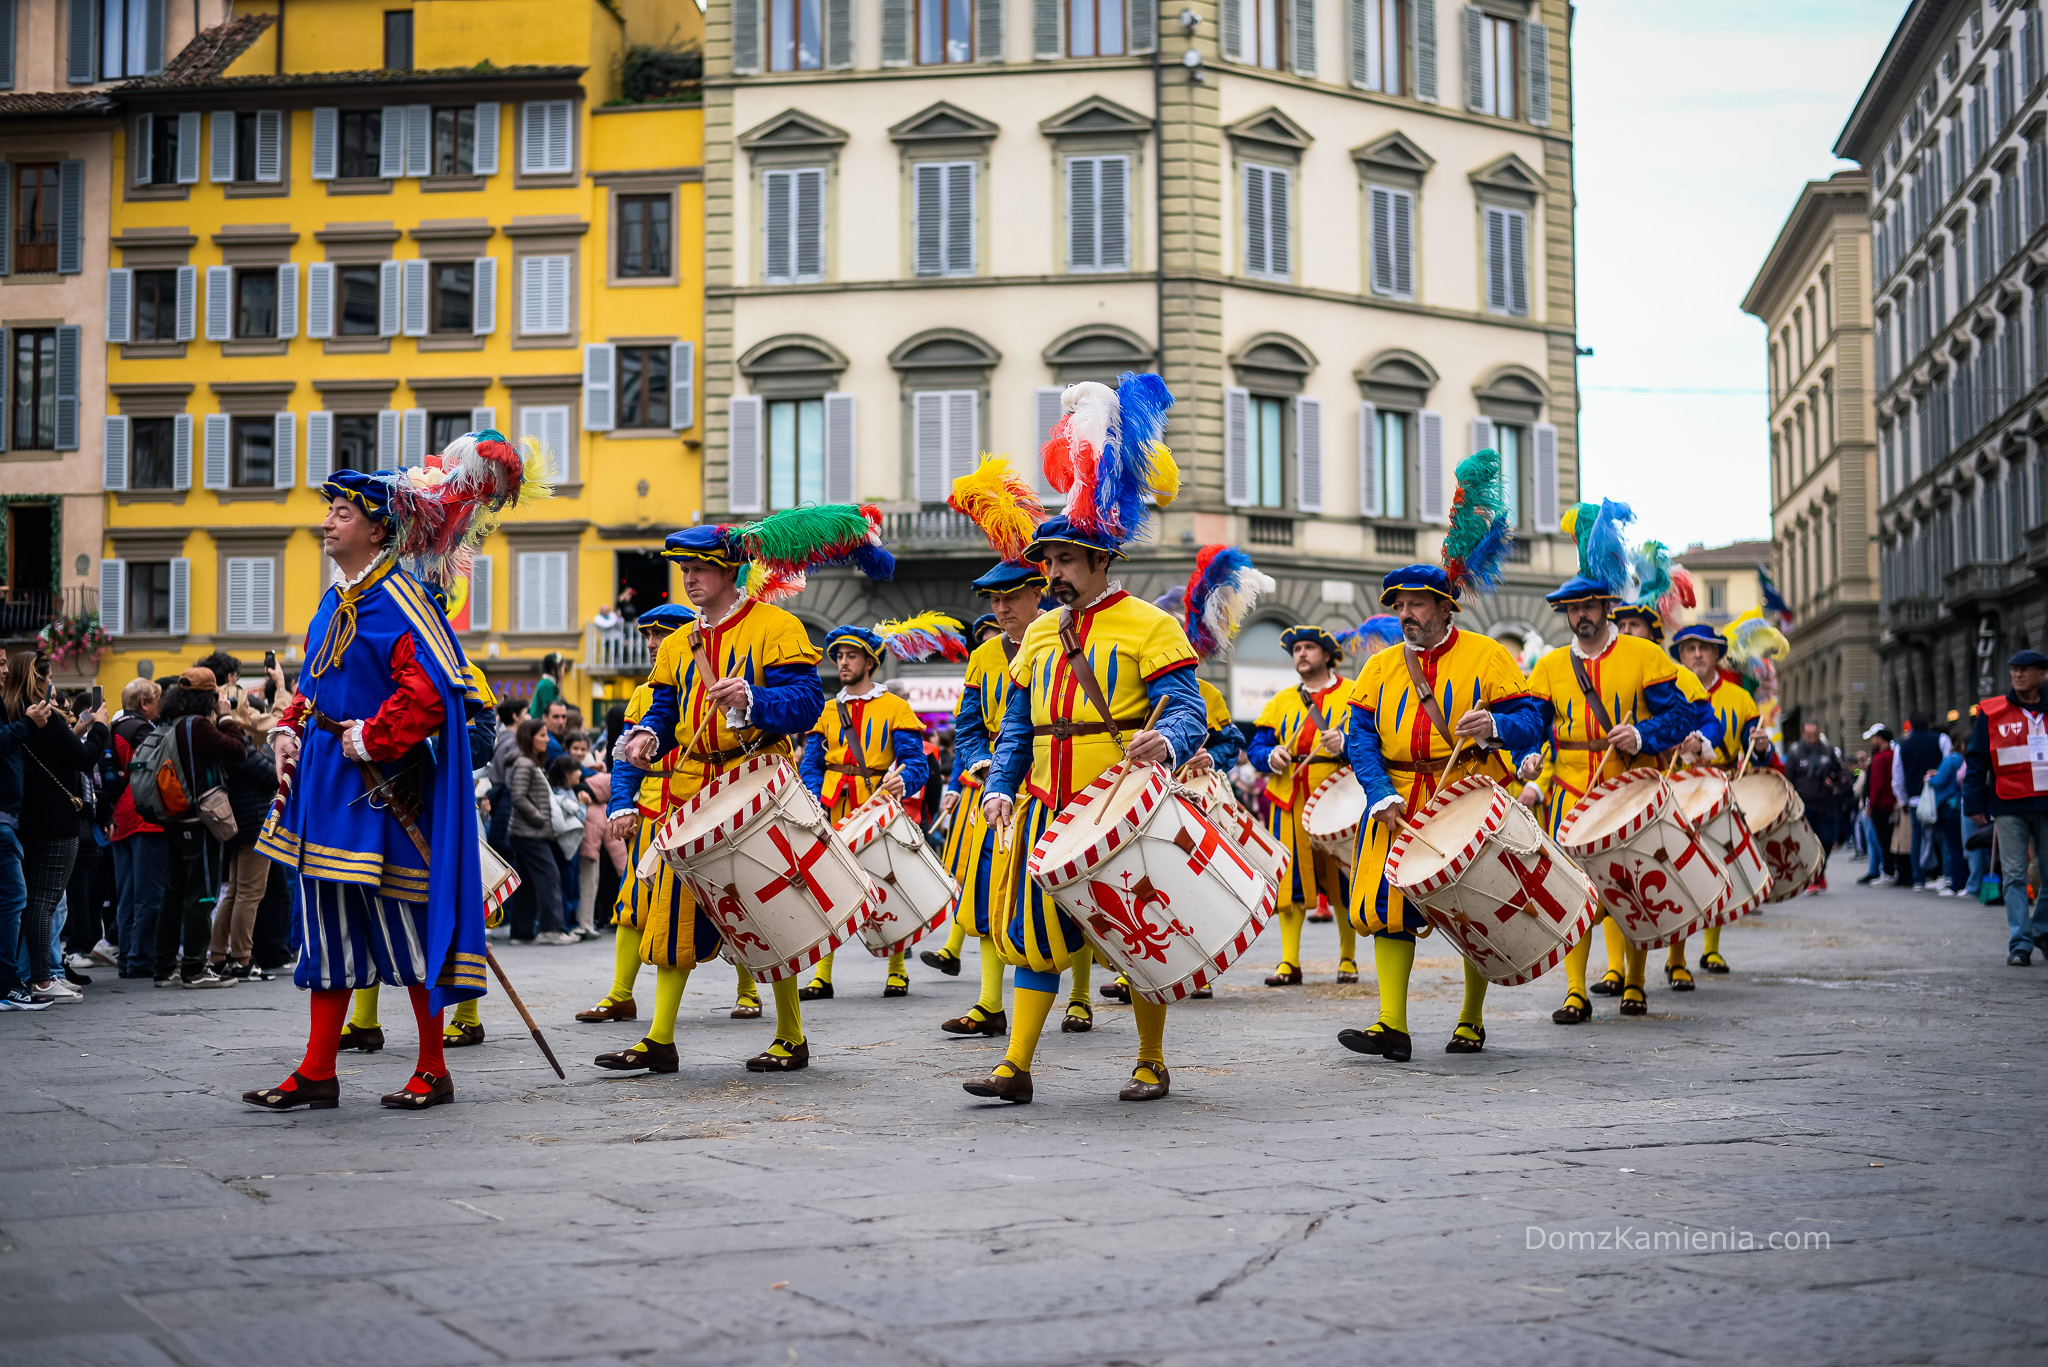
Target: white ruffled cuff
x=1389 y=800
x=352 y=742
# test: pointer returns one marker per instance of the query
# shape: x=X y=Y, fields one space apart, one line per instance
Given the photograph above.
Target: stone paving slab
x=1869 y=1082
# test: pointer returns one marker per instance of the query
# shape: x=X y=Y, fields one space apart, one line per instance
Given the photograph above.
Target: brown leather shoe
x=1116 y=992
x=1395 y=1045
x=1347 y=970
x=814 y=991
x=1071 y=1024
x=655 y=1058
x=1014 y=1088
x=466 y=1034
x=746 y=1010
x=1460 y=1045
x=1575 y=1011
x=369 y=1039
x=440 y=1091
x=1135 y=1090
x=946 y=963
x=766 y=1062
x=896 y=986
x=609 y=1011
x=1286 y=975
x=1632 y=1002
x=992 y=1026
x=323 y=1095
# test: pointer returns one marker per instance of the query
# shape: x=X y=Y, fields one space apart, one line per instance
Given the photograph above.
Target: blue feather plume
x=1125 y=473
x=1372 y=635
x=1482 y=566
x=1607 y=552
x=874 y=561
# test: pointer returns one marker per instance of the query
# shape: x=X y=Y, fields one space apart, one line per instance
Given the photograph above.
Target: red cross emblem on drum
x=1126 y=920
x=798 y=872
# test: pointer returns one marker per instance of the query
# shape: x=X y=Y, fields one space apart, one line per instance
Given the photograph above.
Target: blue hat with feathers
x=1322 y=636
x=666 y=617
x=1698 y=631
x=1063 y=530
x=1009 y=577
x=1420 y=579
x=368 y=491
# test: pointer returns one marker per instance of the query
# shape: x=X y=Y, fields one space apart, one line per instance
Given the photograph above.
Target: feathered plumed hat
x=440 y=511
x=1107 y=456
x=1479 y=538
x=1372 y=635
x=922 y=637
x=1603 y=554
x=1219 y=596
x=777 y=552
x=1007 y=509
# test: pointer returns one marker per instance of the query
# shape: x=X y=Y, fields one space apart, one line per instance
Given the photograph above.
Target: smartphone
x=99 y=697
x=270 y=659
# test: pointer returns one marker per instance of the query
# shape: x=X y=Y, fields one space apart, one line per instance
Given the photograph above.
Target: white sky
x=1696 y=126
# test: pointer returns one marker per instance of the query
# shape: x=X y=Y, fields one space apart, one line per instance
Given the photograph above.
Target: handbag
x=1902 y=839
x=217 y=813
x=1927 y=806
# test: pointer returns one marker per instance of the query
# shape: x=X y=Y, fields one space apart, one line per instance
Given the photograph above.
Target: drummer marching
x=1441 y=692
x=868 y=742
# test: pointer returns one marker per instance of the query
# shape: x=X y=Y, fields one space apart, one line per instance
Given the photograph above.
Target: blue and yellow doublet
x=1292 y=720
x=970 y=852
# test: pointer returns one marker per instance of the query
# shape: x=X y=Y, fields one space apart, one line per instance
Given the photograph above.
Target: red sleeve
x=294 y=715
x=412 y=712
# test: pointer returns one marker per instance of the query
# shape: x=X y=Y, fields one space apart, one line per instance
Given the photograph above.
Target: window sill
x=439 y=185
x=152 y=351
x=641 y=434
x=33 y=453
x=33 y=278
x=550 y=180
x=250 y=346
x=145 y=640
x=643 y=282
x=147 y=192
x=551 y=342
x=453 y=342
x=122 y=497
x=259 y=495
x=255 y=190
x=356 y=346
x=359 y=187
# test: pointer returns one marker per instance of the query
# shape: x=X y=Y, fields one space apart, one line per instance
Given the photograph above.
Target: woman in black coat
x=53 y=796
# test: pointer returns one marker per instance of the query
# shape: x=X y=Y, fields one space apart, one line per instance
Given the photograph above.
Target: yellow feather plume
x=1165 y=475
x=1000 y=503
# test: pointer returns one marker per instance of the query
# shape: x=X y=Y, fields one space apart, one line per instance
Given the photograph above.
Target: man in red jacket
x=141 y=850
x=2005 y=784
x=1880 y=803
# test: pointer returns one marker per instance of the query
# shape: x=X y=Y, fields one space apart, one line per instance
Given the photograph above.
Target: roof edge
x=1807 y=209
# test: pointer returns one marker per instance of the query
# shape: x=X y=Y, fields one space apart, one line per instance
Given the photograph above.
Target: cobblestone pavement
x=1867 y=1085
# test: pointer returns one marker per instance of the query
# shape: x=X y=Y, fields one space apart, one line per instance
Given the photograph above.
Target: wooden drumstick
x=1158 y=709
x=1457 y=745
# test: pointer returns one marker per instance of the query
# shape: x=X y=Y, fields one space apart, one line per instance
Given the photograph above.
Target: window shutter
x=7 y=27
x=777 y=190
x=1279 y=206
x=928 y=202
x=544 y=295
x=1302 y=22
x=140 y=135
x=114 y=597
x=809 y=224
x=320 y=300
x=1518 y=264
x=544 y=591
x=214 y=473
x=326 y=143
x=237 y=596
x=262 y=594
x=6 y=221
x=544 y=137
x=412 y=429
x=1308 y=454
x=838 y=34
x=120 y=301
x=1382 y=207
x=181 y=596
x=284 y=446
x=483 y=419
x=419 y=133
x=963 y=434
x=1496 y=261
x=221 y=164
x=746 y=37
x=1256 y=257
x=1537 y=45
x=387 y=439
x=114 y=454
x=1482 y=434
x=743 y=455
x=1237 y=468
x=1045 y=415
x=153 y=37
x=1368 y=460
x=597 y=387
x=557 y=296
x=269 y=145
x=81 y=47
x=188 y=302
x=960 y=218
x=391 y=142
x=988 y=30
x=413 y=297
x=188 y=148
x=1431 y=502
x=319 y=448
x=682 y=389
x=839 y=448
x=181 y=452
x=484 y=156
x=5 y=370
x=287 y=301
x=1361 y=75
x=1544 y=514
x=1475 y=73
x=1045 y=29
x=483 y=298
x=1082 y=213
x=895 y=32
x=68 y=340
x=480 y=591
x=1113 y=214
x=1233 y=30
x=1403 y=202
x=70 y=216
x=389 y=297
x=549 y=424
x=928 y=445
x=218 y=293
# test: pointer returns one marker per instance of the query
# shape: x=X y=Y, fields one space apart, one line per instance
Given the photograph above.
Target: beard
x=1588 y=629
x=1062 y=591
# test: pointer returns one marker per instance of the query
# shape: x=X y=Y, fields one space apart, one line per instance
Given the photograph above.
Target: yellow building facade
x=344 y=233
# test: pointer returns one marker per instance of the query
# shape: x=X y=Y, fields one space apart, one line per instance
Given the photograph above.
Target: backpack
x=160 y=790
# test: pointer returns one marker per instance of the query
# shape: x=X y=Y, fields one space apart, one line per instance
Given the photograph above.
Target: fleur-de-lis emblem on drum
x=1783 y=857
x=732 y=919
x=1638 y=898
x=1126 y=920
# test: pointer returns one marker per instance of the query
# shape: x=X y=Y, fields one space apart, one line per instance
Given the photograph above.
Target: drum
x=757 y=853
x=499 y=882
x=1213 y=794
x=1211 y=790
x=914 y=891
x=1159 y=891
x=1479 y=865
x=1333 y=814
x=1707 y=799
x=1655 y=877
x=1777 y=817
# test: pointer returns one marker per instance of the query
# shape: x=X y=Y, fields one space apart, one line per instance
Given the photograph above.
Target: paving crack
x=1266 y=1257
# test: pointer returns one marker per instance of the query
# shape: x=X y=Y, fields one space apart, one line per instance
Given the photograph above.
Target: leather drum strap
x=1430 y=706
x=1070 y=646
x=1592 y=695
x=856 y=754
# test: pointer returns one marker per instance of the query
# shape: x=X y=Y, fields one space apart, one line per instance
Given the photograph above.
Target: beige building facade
x=1812 y=296
x=1342 y=232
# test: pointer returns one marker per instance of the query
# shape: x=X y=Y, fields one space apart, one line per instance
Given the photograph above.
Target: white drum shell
x=913 y=890
x=779 y=912
x=1162 y=893
x=1727 y=834
x=1332 y=815
x=1656 y=878
x=1791 y=850
x=500 y=882
x=1253 y=841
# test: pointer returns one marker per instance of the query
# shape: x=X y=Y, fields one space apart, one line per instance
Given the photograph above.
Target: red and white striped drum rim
x=1138 y=798
x=1699 y=773
x=1459 y=860
x=1651 y=811
x=669 y=838
x=861 y=828
x=1222 y=959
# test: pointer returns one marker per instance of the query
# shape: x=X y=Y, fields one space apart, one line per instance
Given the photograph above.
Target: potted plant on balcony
x=71 y=638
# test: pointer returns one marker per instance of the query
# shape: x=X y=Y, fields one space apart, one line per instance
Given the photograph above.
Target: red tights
x=330 y=1012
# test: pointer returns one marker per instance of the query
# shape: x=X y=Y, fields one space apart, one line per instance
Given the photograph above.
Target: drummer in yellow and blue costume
x=1649 y=703
x=766 y=679
x=1053 y=743
x=1299 y=744
x=867 y=741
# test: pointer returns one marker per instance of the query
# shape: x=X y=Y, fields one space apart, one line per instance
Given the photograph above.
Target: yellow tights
x=1083 y=965
x=1151 y=1019
x=625 y=965
x=1575 y=960
x=1392 y=961
x=789 y=1016
x=364 y=1014
x=990 y=1002
x=1617 y=947
x=1710 y=943
x=1032 y=1006
x=1294 y=918
x=956 y=937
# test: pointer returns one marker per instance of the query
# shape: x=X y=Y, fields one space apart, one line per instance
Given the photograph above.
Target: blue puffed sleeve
x=970 y=738
x=1521 y=725
x=660 y=718
x=1262 y=747
x=811 y=768
x=788 y=701
x=1362 y=753
x=909 y=748
x=1673 y=716
x=1012 y=758
x=1185 y=723
x=1224 y=747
